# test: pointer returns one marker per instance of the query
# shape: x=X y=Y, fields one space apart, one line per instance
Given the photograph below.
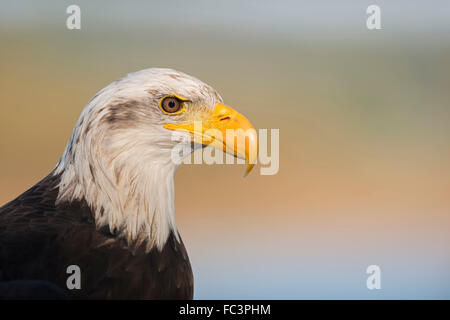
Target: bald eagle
x=108 y=205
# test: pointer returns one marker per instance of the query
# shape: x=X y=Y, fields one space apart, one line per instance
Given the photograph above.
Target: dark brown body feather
x=39 y=240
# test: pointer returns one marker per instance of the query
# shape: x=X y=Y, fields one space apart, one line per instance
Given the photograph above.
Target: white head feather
x=119 y=159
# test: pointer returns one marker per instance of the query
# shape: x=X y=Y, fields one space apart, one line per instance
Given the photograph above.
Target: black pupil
x=172 y=104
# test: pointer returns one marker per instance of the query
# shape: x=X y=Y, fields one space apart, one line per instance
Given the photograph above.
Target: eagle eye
x=171 y=105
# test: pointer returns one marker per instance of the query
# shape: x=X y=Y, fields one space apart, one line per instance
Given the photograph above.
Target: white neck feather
x=125 y=175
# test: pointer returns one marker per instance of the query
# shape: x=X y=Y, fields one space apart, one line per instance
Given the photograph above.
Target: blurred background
x=364 y=119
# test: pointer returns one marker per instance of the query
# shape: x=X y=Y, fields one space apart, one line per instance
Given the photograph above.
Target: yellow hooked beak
x=227 y=130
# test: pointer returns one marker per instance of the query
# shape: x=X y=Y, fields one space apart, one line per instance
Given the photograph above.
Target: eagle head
x=119 y=158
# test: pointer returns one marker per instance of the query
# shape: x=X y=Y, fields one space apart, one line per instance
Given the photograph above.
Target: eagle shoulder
x=39 y=240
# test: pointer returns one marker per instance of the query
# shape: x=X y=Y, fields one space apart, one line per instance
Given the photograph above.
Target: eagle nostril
x=225 y=118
